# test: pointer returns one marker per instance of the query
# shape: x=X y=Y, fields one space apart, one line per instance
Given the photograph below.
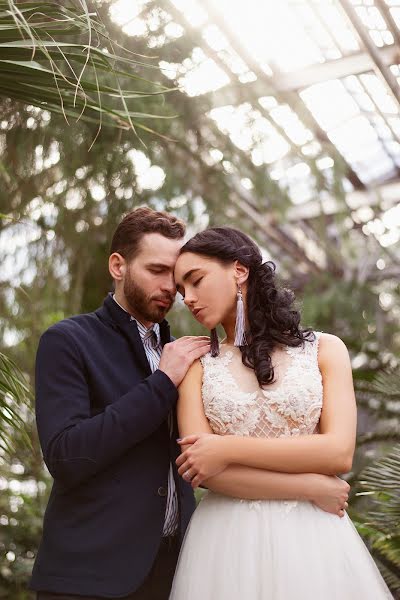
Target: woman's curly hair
x=271 y=316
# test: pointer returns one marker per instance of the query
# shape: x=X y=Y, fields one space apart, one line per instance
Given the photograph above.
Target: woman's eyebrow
x=189 y=273
x=186 y=276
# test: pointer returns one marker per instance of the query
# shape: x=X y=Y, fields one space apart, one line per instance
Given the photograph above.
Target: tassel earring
x=214 y=350
x=240 y=326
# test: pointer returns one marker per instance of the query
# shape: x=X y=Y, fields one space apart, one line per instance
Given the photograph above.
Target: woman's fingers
x=183 y=469
x=342 y=510
x=196 y=481
x=181 y=459
x=189 y=439
x=187 y=467
x=188 y=475
x=191 y=477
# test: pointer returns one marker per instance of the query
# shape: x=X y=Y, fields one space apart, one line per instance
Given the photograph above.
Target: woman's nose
x=189 y=300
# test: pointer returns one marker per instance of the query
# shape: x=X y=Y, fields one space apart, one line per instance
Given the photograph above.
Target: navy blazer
x=102 y=422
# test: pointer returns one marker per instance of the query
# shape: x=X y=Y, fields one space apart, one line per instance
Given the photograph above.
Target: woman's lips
x=197 y=311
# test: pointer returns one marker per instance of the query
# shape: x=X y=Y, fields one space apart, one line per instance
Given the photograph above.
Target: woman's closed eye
x=180 y=290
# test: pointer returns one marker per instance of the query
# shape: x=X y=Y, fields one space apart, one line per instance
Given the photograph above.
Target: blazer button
x=162 y=491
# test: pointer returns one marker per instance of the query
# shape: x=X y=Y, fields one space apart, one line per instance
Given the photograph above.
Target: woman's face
x=208 y=288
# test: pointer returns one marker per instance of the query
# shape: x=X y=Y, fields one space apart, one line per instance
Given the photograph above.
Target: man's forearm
x=238 y=481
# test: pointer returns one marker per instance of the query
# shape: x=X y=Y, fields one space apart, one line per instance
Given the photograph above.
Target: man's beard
x=142 y=305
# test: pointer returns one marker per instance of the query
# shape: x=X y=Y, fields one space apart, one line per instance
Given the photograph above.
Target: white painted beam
x=385 y=195
x=355 y=64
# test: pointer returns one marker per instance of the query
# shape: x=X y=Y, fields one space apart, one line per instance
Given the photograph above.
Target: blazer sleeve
x=75 y=444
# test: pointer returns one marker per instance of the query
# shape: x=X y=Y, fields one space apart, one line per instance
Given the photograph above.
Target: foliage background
x=61 y=197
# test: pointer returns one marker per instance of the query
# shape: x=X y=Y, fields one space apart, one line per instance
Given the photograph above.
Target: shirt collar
x=144 y=332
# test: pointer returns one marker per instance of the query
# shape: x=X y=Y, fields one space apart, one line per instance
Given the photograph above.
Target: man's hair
x=129 y=233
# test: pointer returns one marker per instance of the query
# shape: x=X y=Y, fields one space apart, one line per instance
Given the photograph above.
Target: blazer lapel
x=131 y=332
x=119 y=319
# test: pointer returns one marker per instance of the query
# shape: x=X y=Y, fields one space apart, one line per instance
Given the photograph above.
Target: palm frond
x=380 y=481
x=72 y=75
x=388 y=383
x=15 y=397
x=381 y=395
x=390 y=435
x=382 y=478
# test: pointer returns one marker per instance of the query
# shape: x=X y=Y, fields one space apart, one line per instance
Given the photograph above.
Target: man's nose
x=169 y=285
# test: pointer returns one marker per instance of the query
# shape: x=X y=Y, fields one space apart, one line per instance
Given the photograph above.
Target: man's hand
x=204 y=458
x=177 y=356
x=329 y=493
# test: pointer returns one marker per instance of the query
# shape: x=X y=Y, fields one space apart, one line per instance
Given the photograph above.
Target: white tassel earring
x=240 y=326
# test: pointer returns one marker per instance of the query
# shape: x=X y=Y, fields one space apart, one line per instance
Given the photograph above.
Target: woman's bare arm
x=247 y=482
x=328 y=452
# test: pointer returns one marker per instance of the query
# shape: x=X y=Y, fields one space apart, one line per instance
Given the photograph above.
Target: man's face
x=148 y=285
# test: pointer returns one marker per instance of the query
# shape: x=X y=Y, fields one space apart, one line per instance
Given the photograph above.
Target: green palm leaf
x=15 y=397
x=388 y=384
x=63 y=76
x=381 y=482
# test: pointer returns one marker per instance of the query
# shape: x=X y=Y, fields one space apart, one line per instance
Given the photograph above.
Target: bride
x=270 y=406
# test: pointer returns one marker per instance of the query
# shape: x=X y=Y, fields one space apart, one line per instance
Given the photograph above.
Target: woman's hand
x=205 y=457
x=330 y=493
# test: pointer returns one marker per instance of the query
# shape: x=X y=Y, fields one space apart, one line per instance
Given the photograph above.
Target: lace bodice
x=235 y=404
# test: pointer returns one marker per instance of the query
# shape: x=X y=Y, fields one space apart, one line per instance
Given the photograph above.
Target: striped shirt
x=151 y=340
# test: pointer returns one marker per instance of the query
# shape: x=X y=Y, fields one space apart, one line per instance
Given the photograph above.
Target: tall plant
x=59 y=56
x=380 y=482
x=15 y=397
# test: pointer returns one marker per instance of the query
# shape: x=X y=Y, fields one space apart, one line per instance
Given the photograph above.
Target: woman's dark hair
x=271 y=316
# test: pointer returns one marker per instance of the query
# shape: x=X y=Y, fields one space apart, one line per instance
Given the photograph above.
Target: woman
x=268 y=408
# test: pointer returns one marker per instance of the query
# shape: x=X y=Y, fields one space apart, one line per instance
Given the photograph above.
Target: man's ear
x=241 y=272
x=117 y=266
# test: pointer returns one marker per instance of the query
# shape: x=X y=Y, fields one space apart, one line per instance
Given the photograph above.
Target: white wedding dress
x=267 y=549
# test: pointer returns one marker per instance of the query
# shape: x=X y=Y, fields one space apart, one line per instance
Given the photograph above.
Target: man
x=106 y=388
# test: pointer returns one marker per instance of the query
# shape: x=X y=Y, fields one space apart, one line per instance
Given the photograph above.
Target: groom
x=106 y=388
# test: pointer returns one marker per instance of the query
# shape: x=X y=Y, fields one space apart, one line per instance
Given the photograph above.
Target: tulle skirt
x=273 y=550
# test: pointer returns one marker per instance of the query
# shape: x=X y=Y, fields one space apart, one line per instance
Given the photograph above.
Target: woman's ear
x=117 y=266
x=241 y=272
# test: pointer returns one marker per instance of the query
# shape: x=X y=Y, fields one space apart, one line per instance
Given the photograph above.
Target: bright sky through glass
x=289 y=40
